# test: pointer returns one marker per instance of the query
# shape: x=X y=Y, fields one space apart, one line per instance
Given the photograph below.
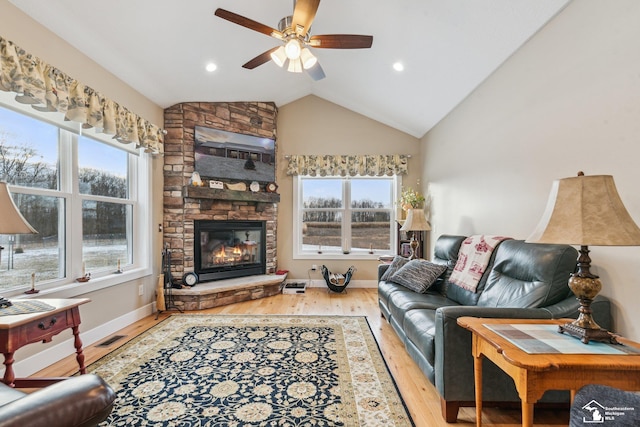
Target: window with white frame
x=344 y=216
x=80 y=193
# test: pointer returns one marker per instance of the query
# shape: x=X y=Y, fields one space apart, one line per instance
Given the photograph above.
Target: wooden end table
x=534 y=374
x=19 y=330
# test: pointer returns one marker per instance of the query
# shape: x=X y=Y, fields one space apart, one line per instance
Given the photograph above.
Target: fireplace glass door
x=225 y=249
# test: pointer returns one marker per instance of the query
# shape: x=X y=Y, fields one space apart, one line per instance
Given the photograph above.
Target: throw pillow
x=397 y=262
x=418 y=275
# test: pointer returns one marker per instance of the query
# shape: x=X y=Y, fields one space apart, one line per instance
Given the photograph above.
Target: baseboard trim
x=53 y=354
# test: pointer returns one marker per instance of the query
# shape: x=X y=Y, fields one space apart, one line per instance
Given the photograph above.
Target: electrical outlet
x=314 y=267
x=140 y=290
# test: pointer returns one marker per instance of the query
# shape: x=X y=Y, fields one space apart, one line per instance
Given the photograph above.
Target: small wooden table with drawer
x=19 y=330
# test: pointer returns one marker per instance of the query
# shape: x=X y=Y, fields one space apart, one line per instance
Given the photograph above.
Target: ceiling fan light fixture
x=295 y=66
x=292 y=48
x=279 y=56
x=307 y=58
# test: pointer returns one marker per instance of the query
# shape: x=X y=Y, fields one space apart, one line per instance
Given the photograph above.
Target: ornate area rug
x=229 y=370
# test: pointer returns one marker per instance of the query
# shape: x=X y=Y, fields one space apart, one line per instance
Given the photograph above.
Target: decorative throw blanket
x=473 y=258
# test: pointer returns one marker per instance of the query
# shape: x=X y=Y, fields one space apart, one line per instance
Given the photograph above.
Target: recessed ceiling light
x=211 y=67
x=398 y=66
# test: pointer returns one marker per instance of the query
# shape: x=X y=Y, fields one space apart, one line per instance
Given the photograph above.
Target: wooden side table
x=534 y=374
x=19 y=330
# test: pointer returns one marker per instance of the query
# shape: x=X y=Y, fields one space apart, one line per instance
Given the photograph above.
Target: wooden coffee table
x=534 y=374
x=19 y=330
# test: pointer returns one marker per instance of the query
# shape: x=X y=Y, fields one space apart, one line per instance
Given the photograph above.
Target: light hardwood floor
x=419 y=394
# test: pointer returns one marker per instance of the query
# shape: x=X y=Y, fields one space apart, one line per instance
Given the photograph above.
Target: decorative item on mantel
x=586 y=211
x=239 y=186
x=196 y=181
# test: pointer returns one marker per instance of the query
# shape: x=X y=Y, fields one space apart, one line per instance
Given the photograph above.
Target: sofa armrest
x=601 y=307
x=453 y=359
x=382 y=268
x=78 y=401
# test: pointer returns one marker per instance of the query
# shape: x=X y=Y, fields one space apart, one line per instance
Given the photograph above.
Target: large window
x=344 y=217
x=78 y=192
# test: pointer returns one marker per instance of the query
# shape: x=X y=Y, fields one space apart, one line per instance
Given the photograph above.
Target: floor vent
x=111 y=340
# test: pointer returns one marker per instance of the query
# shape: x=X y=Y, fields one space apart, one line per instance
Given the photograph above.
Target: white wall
x=569 y=100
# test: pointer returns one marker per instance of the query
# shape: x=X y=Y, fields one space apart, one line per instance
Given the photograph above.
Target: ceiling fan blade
x=248 y=23
x=316 y=72
x=260 y=59
x=303 y=15
x=341 y=41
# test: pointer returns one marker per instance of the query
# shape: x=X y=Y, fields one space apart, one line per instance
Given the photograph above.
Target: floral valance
x=49 y=89
x=348 y=165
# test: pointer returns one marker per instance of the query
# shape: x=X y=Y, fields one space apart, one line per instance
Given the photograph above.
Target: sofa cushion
x=420 y=328
x=404 y=300
x=529 y=275
x=418 y=275
x=397 y=262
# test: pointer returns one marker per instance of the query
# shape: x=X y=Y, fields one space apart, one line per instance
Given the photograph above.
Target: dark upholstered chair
x=81 y=401
x=602 y=405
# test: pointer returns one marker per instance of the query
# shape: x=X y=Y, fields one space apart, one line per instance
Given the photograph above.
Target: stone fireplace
x=185 y=205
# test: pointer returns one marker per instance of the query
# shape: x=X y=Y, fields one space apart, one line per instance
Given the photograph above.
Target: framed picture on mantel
x=227 y=155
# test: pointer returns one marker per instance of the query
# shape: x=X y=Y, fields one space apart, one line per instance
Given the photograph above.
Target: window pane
x=28 y=151
x=322 y=231
x=370 y=230
x=371 y=193
x=322 y=193
x=105 y=234
x=42 y=253
x=102 y=169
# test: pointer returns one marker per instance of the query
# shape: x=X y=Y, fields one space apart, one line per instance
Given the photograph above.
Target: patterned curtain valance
x=348 y=165
x=49 y=89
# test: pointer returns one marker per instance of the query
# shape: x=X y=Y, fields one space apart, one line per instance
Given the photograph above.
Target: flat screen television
x=227 y=155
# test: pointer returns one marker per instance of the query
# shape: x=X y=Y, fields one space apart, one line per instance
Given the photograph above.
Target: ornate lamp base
x=414 y=247
x=585 y=287
x=586 y=334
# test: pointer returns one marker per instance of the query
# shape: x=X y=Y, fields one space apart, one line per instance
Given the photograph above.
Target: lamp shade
x=416 y=221
x=586 y=210
x=11 y=220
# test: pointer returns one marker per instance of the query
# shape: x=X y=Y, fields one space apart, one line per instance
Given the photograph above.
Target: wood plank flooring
x=419 y=394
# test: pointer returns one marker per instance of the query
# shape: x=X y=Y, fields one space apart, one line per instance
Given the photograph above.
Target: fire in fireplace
x=226 y=249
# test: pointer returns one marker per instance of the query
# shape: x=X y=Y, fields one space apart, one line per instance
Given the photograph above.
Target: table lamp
x=11 y=220
x=416 y=221
x=586 y=211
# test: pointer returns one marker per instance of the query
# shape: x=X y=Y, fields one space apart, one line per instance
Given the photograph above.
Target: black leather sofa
x=522 y=280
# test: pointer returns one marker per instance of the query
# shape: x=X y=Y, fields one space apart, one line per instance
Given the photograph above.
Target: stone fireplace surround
x=184 y=204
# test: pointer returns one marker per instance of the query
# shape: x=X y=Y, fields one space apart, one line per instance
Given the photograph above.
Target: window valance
x=348 y=165
x=49 y=90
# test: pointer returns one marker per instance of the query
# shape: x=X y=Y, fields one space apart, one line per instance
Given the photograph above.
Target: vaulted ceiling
x=161 y=48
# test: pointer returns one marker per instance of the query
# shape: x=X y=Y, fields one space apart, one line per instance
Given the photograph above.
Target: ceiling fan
x=294 y=32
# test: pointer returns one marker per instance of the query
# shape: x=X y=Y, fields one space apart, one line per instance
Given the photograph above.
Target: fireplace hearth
x=226 y=249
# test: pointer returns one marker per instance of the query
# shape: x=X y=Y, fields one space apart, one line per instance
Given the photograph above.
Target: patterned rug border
x=383 y=373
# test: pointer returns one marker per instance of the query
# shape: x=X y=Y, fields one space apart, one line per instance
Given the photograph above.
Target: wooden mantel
x=216 y=194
